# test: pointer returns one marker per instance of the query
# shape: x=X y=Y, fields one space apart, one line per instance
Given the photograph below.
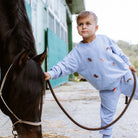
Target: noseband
x=18 y=119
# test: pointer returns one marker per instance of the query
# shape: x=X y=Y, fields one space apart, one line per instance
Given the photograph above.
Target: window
x=57 y=28
x=57 y=18
x=51 y=22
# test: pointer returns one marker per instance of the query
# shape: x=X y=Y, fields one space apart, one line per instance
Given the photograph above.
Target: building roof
x=76 y=6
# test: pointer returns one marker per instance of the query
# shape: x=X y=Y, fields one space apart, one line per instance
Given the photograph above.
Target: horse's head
x=23 y=93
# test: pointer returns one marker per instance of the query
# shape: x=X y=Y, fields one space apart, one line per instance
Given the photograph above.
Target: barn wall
x=57 y=50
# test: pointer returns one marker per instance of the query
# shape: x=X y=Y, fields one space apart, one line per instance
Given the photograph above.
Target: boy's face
x=86 y=28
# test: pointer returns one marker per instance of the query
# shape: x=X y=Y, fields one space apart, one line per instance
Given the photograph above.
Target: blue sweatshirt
x=101 y=62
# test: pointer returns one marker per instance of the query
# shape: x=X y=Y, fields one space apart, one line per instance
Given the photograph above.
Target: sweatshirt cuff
x=51 y=73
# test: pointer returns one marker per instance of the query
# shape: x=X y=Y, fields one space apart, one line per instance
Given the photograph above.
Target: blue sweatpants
x=109 y=101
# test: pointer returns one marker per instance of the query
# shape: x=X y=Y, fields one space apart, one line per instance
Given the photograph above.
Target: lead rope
x=18 y=119
x=104 y=127
x=126 y=100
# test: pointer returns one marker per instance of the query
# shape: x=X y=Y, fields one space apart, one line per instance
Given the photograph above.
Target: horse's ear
x=23 y=58
x=40 y=58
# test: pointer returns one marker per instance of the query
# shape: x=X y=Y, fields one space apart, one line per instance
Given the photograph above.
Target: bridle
x=98 y=128
x=16 y=117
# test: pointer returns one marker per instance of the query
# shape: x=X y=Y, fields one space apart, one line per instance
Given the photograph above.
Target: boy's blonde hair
x=84 y=14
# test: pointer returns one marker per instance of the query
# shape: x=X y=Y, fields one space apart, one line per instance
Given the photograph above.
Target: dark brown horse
x=24 y=86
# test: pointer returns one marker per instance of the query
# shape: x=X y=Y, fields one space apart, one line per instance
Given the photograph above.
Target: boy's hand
x=47 y=76
x=132 y=68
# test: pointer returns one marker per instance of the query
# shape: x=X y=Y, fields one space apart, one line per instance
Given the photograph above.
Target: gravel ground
x=82 y=102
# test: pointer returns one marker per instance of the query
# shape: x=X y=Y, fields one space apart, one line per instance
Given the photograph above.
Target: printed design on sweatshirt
x=113 y=64
x=114 y=89
x=108 y=48
x=128 y=79
x=96 y=76
x=101 y=59
x=90 y=59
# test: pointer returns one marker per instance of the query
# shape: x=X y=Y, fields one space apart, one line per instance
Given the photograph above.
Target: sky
x=118 y=19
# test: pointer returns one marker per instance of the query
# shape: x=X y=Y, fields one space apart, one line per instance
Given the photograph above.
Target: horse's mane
x=16 y=29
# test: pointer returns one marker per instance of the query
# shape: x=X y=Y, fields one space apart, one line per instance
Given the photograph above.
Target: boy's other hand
x=132 y=68
x=47 y=76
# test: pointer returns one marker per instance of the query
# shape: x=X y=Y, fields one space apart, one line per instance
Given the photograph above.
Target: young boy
x=98 y=59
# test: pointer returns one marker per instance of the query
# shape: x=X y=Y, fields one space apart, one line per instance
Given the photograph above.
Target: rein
x=99 y=128
x=18 y=119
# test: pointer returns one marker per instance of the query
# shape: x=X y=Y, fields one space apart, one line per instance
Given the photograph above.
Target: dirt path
x=82 y=101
